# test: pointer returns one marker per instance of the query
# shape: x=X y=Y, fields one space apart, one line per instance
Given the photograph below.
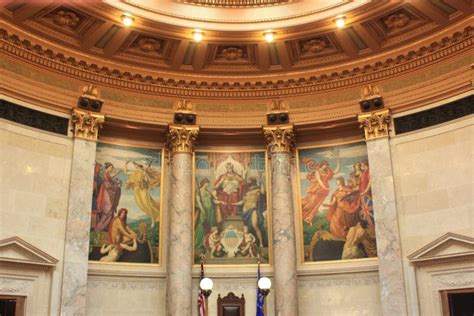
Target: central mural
x=125 y=222
x=335 y=196
x=230 y=207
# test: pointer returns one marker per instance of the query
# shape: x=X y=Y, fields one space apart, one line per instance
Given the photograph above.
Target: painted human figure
x=119 y=229
x=108 y=197
x=248 y=247
x=367 y=209
x=354 y=237
x=229 y=188
x=214 y=241
x=318 y=190
x=114 y=251
x=253 y=204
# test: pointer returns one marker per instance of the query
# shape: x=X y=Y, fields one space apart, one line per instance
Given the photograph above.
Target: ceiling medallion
x=66 y=18
x=148 y=45
x=397 y=21
x=314 y=45
x=232 y=53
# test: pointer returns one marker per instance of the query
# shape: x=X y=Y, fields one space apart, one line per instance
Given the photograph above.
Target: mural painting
x=230 y=207
x=337 y=214
x=125 y=224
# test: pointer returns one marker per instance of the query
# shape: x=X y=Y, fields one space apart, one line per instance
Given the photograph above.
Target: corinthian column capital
x=86 y=124
x=376 y=124
x=280 y=138
x=181 y=138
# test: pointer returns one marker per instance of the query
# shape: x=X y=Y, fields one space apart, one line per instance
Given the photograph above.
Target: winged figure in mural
x=142 y=179
x=319 y=175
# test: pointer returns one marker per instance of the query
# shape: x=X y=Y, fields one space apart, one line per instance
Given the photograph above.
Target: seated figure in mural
x=119 y=230
x=253 y=205
x=214 y=242
x=229 y=187
x=206 y=216
x=248 y=247
x=343 y=209
x=318 y=190
x=114 y=251
x=108 y=197
x=142 y=180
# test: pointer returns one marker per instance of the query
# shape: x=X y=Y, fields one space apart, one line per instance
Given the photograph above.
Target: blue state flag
x=260 y=297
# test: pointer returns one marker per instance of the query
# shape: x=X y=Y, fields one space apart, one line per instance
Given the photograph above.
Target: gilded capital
x=181 y=138
x=279 y=138
x=376 y=124
x=86 y=124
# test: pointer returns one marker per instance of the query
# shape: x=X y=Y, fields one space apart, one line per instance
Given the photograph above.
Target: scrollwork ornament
x=86 y=124
x=376 y=124
x=181 y=138
x=279 y=138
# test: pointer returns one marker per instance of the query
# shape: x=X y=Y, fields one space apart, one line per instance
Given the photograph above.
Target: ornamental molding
x=376 y=124
x=447 y=248
x=22 y=49
x=181 y=138
x=15 y=251
x=279 y=138
x=86 y=124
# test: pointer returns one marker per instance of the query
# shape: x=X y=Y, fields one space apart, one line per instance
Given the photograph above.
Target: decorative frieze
x=86 y=124
x=376 y=124
x=279 y=138
x=181 y=139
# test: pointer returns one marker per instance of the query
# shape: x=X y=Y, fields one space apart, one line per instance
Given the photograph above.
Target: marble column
x=76 y=251
x=179 y=296
x=392 y=288
x=280 y=140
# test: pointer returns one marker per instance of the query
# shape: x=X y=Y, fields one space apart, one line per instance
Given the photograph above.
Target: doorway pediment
x=17 y=251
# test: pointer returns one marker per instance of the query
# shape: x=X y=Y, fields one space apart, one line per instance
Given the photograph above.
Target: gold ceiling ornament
x=181 y=138
x=278 y=106
x=90 y=91
x=376 y=124
x=279 y=138
x=370 y=92
x=86 y=124
x=183 y=106
x=66 y=18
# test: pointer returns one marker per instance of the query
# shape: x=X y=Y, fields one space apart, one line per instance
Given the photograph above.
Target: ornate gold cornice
x=245 y=87
x=279 y=138
x=376 y=124
x=86 y=124
x=181 y=138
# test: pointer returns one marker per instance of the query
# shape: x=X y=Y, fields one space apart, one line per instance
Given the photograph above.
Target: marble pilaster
x=76 y=251
x=179 y=295
x=392 y=288
x=86 y=125
x=280 y=140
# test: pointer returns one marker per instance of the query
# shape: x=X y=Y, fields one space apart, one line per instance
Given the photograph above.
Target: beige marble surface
x=392 y=287
x=284 y=243
x=34 y=187
x=76 y=250
x=179 y=284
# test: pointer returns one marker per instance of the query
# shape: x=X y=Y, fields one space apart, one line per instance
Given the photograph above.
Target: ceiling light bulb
x=198 y=35
x=269 y=36
x=340 y=21
x=127 y=19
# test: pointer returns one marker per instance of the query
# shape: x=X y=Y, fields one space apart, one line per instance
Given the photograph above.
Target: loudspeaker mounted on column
x=278 y=114
x=371 y=99
x=90 y=99
x=184 y=114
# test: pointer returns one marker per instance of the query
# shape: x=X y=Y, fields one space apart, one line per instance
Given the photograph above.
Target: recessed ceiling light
x=127 y=19
x=269 y=36
x=197 y=35
x=340 y=21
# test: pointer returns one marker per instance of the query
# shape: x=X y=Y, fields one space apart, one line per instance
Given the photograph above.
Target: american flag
x=260 y=297
x=201 y=298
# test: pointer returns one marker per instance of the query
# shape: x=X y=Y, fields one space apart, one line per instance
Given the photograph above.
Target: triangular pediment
x=16 y=250
x=448 y=246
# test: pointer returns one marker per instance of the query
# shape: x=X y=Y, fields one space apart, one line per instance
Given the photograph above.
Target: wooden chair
x=230 y=305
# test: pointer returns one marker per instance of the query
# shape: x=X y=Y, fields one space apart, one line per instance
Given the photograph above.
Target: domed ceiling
x=233 y=50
